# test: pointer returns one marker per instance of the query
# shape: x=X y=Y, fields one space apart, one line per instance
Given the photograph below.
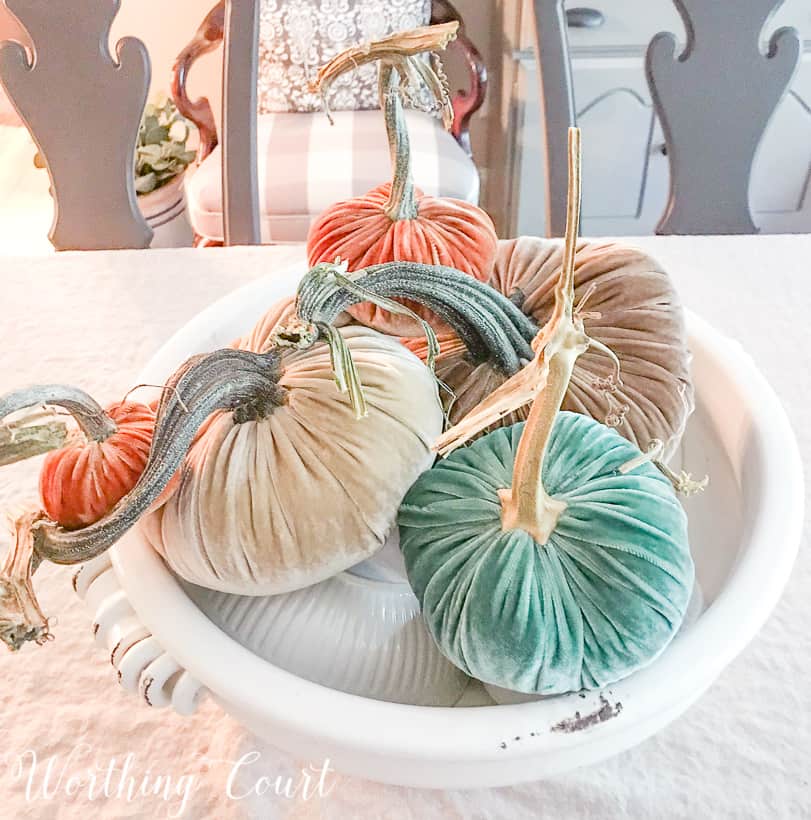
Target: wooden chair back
x=83 y=108
x=714 y=99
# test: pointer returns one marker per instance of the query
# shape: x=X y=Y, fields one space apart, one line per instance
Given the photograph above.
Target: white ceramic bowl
x=744 y=533
x=359 y=632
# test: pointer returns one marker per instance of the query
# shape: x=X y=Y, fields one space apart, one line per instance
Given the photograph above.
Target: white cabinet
x=626 y=172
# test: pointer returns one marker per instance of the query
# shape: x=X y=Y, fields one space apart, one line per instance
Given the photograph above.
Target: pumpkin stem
x=25 y=438
x=403 y=76
x=402 y=202
x=262 y=406
x=491 y=327
x=563 y=338
x=21 y=618
x=89 y=415
x=526 y=504
x=399 y=50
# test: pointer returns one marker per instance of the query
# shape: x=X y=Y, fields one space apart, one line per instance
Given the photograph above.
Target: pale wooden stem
x=21 y=619
x=526 y=505
x=20 y=441
x=89 y=415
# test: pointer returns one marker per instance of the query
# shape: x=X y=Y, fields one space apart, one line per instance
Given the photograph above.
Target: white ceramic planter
x=165 y=211
x=744 y=533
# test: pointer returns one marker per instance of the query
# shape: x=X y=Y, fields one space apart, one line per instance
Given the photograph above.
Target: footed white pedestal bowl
x=744 y=533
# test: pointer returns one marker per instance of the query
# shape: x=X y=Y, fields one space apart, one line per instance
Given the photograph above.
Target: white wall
x=166 y=27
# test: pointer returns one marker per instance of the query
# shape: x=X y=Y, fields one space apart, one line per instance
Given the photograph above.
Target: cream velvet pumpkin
x=273 y=504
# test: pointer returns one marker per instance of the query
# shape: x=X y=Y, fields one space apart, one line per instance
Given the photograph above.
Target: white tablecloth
x=743 y=751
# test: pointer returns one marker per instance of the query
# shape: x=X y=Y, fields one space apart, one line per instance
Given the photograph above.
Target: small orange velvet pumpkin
x=82 y=482
x=396 y=222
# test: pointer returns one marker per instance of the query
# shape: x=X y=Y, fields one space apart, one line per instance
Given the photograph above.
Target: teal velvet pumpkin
x=600 y=600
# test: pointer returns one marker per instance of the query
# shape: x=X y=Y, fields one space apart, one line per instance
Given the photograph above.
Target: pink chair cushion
x=305 y=165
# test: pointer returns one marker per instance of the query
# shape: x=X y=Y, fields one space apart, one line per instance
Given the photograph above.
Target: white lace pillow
x=296 y=37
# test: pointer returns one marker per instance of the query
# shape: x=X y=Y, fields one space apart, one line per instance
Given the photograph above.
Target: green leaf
x=161 y=152
x=343 y=368
x=150 y=151
x=145 y=184
x=156 y=135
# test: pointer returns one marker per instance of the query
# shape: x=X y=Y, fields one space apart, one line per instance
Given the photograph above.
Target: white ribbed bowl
x=359 y=632
x=744 y=533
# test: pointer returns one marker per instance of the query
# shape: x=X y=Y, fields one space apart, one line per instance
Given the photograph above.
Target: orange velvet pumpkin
x=82 y=482
x=397 y=223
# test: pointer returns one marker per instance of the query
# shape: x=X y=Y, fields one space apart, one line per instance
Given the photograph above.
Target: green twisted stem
x=492 y=327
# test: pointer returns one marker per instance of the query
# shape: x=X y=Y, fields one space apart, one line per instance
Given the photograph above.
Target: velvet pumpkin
x=82 y=482
x=291 y=487
x=396 y=222
x=285 y=482
x=601 y=599
x=549 y=556
x=632 y=308
x=290 y=491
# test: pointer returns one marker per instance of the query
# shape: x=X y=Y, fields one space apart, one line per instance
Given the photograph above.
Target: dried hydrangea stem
x=25 y=439
x=89 y=415
x=526 y=505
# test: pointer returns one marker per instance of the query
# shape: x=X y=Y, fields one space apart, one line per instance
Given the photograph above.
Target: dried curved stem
x=526 y=505
x=89 y=415
x=490 y=325
x=562 y=335
x=402 y=76
x=30 y=437
x=21 y=619
x=397 y=50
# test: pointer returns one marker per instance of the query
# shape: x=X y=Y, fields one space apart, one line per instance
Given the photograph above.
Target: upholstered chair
x=304 y=163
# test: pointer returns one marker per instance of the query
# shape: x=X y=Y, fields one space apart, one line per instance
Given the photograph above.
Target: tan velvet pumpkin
x=633 y=309
x=271 y=504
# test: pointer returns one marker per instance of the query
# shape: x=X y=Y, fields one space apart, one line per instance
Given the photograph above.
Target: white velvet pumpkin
x=273 y=505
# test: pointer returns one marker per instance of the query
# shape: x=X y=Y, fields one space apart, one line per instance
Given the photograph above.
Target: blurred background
x=626 y=168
